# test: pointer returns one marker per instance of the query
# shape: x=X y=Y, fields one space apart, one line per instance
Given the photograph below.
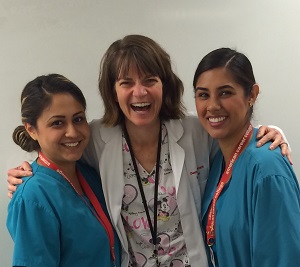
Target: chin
x=73 y=158
x=217 y=134
x=142 y=123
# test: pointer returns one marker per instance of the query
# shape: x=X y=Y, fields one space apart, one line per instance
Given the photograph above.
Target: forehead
x=136 y=66
x=63 y=103
x=215 y=77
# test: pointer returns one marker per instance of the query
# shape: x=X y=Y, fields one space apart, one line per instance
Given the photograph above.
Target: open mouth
x=216 y=119
x=71 y=144
x=140 y=106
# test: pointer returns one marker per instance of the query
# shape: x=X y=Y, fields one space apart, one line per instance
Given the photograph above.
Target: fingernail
x=271 y=147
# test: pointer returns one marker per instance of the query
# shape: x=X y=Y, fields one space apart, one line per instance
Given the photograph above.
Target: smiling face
x=222 y=107
x=62 y=130
x=140 y=99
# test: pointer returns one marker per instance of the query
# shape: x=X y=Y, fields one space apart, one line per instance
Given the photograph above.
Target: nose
x=71 y=131
x=213 y=104
x=139 y=90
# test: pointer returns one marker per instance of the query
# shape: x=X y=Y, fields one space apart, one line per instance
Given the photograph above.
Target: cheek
x=120 y=96
x=87 y=132
x=117 y=93
x=242 y=106
x=199 y=107
x=159 y=92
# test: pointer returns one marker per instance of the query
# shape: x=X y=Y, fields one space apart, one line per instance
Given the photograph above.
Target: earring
x=250 y=102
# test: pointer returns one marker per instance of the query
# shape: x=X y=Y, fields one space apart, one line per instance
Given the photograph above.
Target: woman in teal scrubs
x=251 y=205
x=54 y=218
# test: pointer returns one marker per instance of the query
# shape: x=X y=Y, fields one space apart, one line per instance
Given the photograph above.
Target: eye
x=56 y=123
x=202 y=95
x=79 y=119
x=125 y=83
x=225 y=93
x=151 y=81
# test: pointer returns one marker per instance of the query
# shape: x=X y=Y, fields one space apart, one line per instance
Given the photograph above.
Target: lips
x=73 y=144
x=140 y=106
x=216 y=119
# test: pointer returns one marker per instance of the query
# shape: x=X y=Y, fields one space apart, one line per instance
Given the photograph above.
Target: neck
x=229 y=145
x=143 y=135
x=144 y=142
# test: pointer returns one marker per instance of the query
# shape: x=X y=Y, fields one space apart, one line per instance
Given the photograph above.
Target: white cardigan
x=191 y=152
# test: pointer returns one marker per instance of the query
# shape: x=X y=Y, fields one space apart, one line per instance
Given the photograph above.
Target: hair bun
x=24 y=140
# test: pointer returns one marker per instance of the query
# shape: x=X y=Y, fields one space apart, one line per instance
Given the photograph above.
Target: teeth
x=141 y=105
x=219 y=119
x=71 y=144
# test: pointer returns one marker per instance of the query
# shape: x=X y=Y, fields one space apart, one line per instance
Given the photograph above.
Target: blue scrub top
x=52 y=226
x=258 y=211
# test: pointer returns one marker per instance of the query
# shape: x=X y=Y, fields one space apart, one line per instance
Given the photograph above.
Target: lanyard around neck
x=226 y=176
x=98 y=211
x=153 y=227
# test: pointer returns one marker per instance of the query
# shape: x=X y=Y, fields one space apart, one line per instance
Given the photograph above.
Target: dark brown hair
x=35 y=97
x=236 y=63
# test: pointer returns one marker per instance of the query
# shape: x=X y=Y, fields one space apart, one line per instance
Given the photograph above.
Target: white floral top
x=171 y=245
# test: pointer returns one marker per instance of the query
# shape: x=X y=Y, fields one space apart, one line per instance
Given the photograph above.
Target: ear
x=31 y=130
x=253 y=95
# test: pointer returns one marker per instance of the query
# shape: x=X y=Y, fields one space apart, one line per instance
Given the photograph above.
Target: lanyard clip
x=211 y=241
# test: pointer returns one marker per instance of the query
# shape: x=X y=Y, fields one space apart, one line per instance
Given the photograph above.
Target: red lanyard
x=99 y=214
x=226 y=176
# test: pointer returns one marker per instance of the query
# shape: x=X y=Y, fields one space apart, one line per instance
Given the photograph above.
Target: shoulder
x=268 y=163
x=35 y=191
x=100 y=136
x=31 y=184
x=99 y=131
x=189 y=125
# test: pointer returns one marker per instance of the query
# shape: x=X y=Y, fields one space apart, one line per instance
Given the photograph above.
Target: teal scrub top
x=52 y=226
x=258 y=211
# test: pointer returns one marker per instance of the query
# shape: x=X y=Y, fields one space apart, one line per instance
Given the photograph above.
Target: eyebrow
x=61 y=116
x=219 y=88
x=141 y=78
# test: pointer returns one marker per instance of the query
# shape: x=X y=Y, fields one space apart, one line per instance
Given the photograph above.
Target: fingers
x=289 y=157
x=13 y=180
x=274 y=136
x=25 y=166
x=13 y=177
x=11 y=189
x=11 y=186
x=18 y=172
x=283 y=144
x=285 y=151
x=262 y=130
x=266 y=134
x=10 y=194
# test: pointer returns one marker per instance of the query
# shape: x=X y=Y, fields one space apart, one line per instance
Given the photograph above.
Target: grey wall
x=69 y=37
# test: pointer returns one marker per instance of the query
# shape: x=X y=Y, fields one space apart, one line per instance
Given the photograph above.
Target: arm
x=276 y=215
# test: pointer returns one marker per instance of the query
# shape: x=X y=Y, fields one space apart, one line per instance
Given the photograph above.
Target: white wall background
x=69 y=37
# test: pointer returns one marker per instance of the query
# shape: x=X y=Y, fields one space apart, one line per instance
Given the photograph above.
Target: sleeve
x=276 y=228
x=35 y=232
